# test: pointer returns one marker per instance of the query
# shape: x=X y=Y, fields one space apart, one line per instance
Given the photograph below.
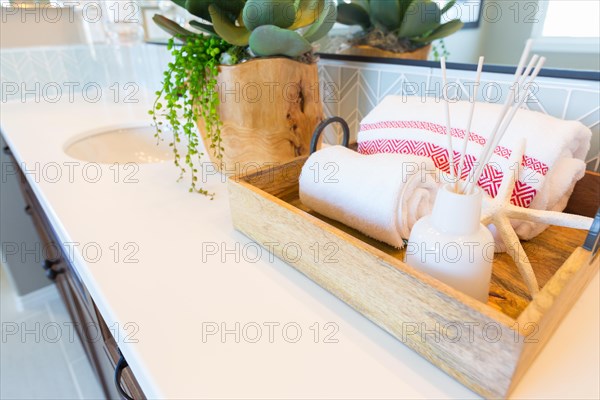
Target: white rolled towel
x=553 y=161
x=381 y=195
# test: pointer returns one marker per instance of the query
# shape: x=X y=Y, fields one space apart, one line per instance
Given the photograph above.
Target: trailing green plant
x=188 y=92
x=439 y=50
x=229 y=32
x=398 y=25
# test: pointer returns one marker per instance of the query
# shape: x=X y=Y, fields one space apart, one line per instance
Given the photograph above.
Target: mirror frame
x=500 y=69
x=585 y=75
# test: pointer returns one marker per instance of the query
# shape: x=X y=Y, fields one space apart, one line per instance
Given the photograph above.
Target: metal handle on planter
x=121 y=365
x=321 y=127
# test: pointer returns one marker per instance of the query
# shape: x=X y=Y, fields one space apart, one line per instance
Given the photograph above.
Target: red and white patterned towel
x=553 y=162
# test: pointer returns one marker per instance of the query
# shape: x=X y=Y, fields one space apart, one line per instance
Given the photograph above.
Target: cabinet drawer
x=87 y=328
x=51 y=242
x=128 y=381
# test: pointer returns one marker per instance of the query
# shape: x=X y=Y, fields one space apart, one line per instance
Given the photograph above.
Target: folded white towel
x=553 y=161
x=381 y=196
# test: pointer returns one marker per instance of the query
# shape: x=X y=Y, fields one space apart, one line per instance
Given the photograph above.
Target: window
x=572 y=18
x=568 y=26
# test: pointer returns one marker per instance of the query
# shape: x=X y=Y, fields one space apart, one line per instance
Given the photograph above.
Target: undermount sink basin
x=131 y=144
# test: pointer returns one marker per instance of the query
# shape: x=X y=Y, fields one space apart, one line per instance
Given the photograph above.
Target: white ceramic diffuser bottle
x=452 y=245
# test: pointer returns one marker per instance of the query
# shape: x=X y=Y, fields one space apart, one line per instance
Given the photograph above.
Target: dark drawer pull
x=47 y=264
x=28 y=210
x=121 y=365
x=50 y=272
x=6 y=150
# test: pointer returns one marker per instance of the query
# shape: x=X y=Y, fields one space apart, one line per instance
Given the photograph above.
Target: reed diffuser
x=451 y=244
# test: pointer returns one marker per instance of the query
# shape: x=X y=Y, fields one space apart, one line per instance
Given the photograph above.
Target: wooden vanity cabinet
x=95 y=336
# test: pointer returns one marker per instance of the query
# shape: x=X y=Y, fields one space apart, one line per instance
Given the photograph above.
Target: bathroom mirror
x=565 y=31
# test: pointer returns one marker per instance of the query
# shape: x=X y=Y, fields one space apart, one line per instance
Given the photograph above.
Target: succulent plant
x=268 y=27
x=231 y=32
x=415 y=21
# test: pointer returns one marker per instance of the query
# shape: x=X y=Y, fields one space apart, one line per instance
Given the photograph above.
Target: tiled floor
x=39 y=358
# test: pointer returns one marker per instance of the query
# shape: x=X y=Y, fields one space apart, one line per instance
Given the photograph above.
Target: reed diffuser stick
x=515 y=88
x=523 y=60
x=517 y=76
x=525 y=87
x=524 y=84
x=447 y=115
x=473 y=100
x=489 y=148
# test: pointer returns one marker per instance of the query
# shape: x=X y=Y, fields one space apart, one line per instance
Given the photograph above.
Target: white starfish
x=500 y=211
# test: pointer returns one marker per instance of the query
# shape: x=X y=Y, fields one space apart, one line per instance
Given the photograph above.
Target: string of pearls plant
x=189 y=92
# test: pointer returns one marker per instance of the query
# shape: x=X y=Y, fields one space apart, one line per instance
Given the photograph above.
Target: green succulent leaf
x=363 y=3
x=324 y=23
x=172 y=27
x=441 y=32
x=404 y=6
x=203 y=27
x=353 y=14
x=423 y=16
x=234 y=7
x=307 y=13
x=199 y=8
x=270 y=40
x=386 y=14
x=180 y=3
x=281 y=13
x=447 y=7
x=232 y=34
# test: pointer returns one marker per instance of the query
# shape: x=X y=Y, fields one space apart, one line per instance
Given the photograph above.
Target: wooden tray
x=486 y=347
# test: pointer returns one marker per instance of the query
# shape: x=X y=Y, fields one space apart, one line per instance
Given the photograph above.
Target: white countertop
x=171 y=295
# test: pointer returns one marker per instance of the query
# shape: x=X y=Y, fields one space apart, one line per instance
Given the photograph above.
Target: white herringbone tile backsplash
x=349 y=89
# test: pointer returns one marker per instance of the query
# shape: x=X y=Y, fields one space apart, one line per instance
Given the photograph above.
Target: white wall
x=464 y=46
x=40 y=26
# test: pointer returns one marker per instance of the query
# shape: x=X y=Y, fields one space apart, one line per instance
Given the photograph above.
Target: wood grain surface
x=369 y=51
x=487 y=347
x=585 y=199
x=269 y=108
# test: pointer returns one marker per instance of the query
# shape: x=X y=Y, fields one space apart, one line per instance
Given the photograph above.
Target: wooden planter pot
x=269 y=109
x=368 y=51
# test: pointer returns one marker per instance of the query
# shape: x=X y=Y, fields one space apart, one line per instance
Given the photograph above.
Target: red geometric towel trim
x=530 y=162
x=423 y=125
x=490 y=179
